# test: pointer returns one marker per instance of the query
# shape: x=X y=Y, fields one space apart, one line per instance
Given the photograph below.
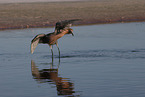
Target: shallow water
x=99 y=61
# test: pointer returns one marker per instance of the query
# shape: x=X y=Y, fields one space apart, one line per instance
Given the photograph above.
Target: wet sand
x=46 y=14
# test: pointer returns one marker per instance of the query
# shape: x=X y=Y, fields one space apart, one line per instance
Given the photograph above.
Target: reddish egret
x=61 y=28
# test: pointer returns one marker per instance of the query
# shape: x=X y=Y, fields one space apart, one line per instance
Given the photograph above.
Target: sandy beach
x=46 y=14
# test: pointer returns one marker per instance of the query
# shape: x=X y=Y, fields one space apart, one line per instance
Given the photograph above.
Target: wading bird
x=61 y=28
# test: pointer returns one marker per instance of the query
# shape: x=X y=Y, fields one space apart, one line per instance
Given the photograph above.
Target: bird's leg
x=51 y=51
x=58 y=49
x=52 y=55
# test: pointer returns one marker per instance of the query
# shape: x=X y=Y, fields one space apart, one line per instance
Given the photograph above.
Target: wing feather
x=35 y=42
x=64 y=24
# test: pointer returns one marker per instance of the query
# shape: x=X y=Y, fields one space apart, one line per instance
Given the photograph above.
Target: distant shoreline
x=91 y=22
x=34 y=1
x=36 y=15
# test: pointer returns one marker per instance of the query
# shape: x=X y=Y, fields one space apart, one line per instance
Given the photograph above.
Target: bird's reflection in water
x=64 y=85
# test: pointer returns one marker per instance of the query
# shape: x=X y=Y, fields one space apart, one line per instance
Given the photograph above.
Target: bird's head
x=69 y=31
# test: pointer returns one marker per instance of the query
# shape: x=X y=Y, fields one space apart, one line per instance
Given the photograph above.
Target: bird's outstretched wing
x=64 y=24
x=35 y=42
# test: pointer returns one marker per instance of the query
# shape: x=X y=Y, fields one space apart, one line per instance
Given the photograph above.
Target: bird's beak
x=72 y=34
x=70 y=31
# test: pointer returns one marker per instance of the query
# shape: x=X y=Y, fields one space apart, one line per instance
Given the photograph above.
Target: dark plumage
x=64 y=25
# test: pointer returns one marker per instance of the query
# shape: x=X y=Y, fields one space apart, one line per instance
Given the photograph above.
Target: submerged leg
x=52 y=56
x=51 y=51
x=58 y=49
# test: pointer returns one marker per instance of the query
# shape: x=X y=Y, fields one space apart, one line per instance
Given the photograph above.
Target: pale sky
x=15 y=1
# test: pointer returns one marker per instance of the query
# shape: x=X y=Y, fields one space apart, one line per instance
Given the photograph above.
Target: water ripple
x=127 y=54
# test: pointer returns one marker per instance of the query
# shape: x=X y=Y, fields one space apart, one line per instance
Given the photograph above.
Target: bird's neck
x=61 y=34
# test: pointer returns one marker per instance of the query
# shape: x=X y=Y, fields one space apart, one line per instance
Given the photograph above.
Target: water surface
x=99 y=61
